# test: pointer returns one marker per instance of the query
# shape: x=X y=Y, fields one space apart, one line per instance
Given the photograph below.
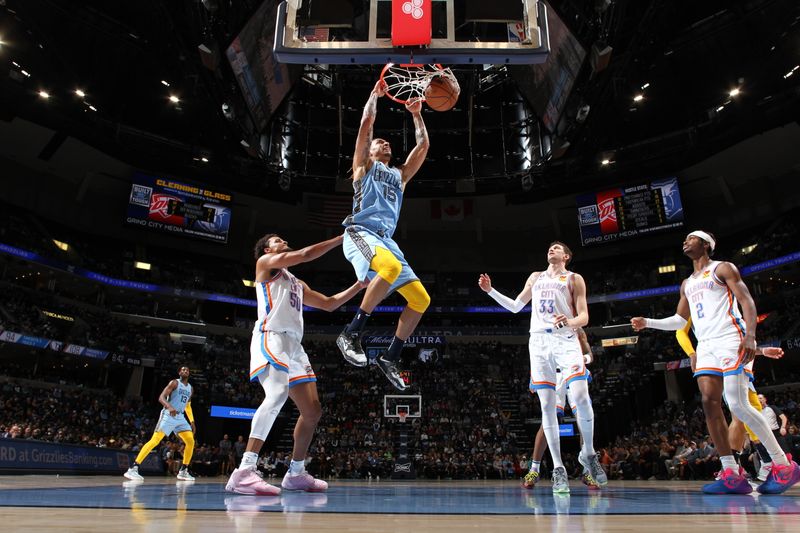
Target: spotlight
x=638 y=98
x=605 y=162
x=204 y=159
x=734 y=92
x=791 y=72
x=93 y=108
x=720 y=108
x=80 y=93
x=44 y=94
x=645 y=86
x=174 y=99
x=165 y=83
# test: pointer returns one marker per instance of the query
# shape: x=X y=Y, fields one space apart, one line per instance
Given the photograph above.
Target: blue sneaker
x=781 y=477
x=729 y=481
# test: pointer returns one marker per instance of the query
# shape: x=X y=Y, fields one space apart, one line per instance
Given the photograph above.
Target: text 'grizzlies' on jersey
x=377 y=199
x=180 y=396
x=715 y=311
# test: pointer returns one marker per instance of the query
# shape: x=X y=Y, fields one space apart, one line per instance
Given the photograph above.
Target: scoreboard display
x=179 y=208
x=626 y=212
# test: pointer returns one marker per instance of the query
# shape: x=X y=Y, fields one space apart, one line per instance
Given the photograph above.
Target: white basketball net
x=408 y=82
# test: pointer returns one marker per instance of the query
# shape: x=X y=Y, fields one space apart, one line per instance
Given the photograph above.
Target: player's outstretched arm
x=673 y=323
x=291 y=258
x=515 y=306
x=729 y=274
x=417 y=155
x=364 y=138
x=163 y=398
x=773 y=352
x=330 y=303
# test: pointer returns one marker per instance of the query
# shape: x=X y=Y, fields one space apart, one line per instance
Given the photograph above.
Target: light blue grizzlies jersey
x=377 y=199
x=180 y=396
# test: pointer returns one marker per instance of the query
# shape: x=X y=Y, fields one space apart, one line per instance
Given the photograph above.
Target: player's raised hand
x=380 y=88
x=485 y=282
x=773 y=352
x=638 y=323
x=414 y=106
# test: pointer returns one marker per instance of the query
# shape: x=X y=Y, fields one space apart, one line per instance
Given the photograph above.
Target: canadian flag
x=451 y=209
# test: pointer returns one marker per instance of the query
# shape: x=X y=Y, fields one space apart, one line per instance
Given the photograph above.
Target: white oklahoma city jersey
x=551 y=297
x=715 y=311
x=280 y=304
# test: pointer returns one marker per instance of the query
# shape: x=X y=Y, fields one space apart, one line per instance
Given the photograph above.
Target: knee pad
x=386 y=265
x=416 y=296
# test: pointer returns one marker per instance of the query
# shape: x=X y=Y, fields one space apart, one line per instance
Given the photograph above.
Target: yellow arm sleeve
x=189 y=413
x=683 y=338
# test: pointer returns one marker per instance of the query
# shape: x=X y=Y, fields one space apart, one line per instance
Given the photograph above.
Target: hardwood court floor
x=83 y=503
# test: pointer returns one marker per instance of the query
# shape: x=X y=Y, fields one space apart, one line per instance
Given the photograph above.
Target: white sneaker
x=560 y=480
x=133 y=474
x=184 y=475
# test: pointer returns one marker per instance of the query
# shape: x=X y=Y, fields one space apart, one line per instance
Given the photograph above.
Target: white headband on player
x=705 y=236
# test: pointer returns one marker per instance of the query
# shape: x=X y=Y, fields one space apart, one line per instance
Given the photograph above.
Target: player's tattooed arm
x=163 y=398
x=417 y=155
x=364 y=138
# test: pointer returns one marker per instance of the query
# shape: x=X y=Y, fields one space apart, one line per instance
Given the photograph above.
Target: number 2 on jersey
x=699 y=308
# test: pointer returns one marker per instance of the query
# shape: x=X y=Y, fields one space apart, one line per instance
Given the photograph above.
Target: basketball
x=442 y=93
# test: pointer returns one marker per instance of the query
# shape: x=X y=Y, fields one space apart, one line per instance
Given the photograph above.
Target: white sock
x=547 y=397
x=735 y=390
x=728 y=462
x=579 y=393
x=297 y=467
x=249 y=460
x=276 y=390
x=535 y=465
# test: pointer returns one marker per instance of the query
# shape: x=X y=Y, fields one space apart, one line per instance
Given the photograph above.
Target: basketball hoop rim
x=442 y=71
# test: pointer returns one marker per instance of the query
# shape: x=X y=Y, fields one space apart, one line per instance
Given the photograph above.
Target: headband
x=705 y=236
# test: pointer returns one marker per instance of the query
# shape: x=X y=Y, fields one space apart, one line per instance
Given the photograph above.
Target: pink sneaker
x=246 y=481
x=304 y=481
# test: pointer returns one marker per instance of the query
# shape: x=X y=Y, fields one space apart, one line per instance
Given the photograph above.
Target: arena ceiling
x=128 y=59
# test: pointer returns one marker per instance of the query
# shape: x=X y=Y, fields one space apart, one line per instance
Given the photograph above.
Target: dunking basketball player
x=279 y=363
x=176 y=399
x=737 y=429
x=711 y=296
x=563 y=400
x=558 y=307
x=368 y=245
